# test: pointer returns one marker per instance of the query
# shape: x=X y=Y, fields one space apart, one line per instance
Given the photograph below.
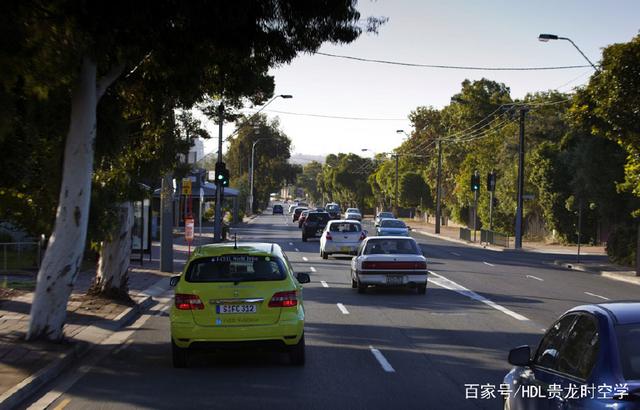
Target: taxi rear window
x=345 y=227
x=235 y=268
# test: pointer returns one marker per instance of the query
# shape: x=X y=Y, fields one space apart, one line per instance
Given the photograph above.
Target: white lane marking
x=290 y=243
x=451 y=285
x=304 y=258
x=297 y=250
x=324 y=285
x=342 y=309
x=535 y=277
x=455 y=253
x=386 y=366
x=597 y=296
x=312 y=269
x=488 y=264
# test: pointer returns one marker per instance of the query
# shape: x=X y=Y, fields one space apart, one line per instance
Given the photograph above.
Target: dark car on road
x=314 y=225
x=333 y=209
x=297 y=212
x=588 y=359
x=277 y=209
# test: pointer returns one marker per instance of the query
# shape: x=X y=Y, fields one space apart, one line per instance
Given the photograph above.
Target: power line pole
x=518 y=244
x=217 y=226
x=396 y=194
x=439 y=186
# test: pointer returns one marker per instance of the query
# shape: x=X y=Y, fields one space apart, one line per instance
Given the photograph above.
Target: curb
x=462 y=242
x=621 y=277
x=26 y=388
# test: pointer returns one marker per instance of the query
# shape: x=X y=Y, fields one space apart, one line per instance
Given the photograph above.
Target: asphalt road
x=382 y=349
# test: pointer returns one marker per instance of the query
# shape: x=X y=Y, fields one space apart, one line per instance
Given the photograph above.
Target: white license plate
x=223 y=309
x=394 y=280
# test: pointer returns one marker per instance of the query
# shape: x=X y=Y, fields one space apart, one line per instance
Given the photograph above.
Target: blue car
x=392 y=227
x=588 y=359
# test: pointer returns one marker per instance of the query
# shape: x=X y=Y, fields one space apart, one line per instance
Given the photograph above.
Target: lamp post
x=546 y=37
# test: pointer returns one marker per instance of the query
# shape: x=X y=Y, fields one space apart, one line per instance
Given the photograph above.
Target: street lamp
x=546 y=37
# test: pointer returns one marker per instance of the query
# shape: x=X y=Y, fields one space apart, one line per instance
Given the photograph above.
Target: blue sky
x=470 y=33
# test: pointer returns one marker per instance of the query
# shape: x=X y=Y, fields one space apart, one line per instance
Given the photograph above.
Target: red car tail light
x=362 y=236
x=328 y=236
x=184 y=301
x=284 y=299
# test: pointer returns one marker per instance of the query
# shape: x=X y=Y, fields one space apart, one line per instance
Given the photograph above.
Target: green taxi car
x=238 y=296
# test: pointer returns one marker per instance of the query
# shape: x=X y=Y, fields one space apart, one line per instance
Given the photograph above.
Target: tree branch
x=103 y=83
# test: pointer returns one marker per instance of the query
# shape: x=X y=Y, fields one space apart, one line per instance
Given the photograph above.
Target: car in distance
x=341 y=236
x=392 y=227
x=593 y=346
x=232 y=296
x=297 y=212
x=333 y=209
x=277 y=209
x=314 y=225
x=383 y=215
x=353 y=214
x=302 y=217
x=389 y=261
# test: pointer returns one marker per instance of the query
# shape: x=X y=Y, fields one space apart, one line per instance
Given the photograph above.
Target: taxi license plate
x=223 y=309
x=345 y=249
x=394 y=280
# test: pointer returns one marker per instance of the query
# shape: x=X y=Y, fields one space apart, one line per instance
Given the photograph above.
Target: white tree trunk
x=112 y=276
x=62 y=260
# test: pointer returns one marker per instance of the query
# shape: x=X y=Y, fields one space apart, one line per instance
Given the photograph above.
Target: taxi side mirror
x=303 y=277
x=174 y=281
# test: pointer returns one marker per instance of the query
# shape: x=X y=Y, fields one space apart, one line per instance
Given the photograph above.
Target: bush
x=621 y=246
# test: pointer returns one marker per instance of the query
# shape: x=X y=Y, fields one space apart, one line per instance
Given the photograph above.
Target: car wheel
x=304 y=238
x=325 y=255
x=422 y=289
x=361 y=287
x=180 y=356
x=354 y=284
x=296 y=353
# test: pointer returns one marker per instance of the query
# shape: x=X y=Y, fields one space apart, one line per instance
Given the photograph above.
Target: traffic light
x=491 y=181
x=475 y=182
x=222 y=174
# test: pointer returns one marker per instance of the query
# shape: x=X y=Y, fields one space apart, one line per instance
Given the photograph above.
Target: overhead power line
x=336 y=116
x=452 y=67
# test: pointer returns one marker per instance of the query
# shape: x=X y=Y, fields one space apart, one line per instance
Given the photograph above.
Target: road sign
x=186 y=186
x=188 y=230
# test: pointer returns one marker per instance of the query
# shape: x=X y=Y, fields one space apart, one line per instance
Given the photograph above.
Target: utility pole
x=475 y=205
x=439 y=186
x=396 y=194
x=518 y=244
x=217 y=226
x=166 y=224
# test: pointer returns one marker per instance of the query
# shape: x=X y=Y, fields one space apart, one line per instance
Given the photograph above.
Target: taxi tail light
x=284 y=299
x=185 y=301
x=362 y=236
x=328 y=236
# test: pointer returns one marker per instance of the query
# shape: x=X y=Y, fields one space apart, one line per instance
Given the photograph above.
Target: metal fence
x=20 y=256
x=465 y=234
x=494 y=238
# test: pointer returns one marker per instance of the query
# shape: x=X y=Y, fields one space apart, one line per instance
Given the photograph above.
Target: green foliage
x=308 y=180
x=414 y=192
x=622 y=245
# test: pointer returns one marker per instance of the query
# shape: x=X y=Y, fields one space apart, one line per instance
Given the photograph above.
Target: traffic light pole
x=439 y=186
x=491 y=210
x=217 y=224
x=518 y=244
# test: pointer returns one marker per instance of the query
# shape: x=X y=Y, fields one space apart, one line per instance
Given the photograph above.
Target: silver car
x=341 y=236
x=383 y=215
x=353 y=214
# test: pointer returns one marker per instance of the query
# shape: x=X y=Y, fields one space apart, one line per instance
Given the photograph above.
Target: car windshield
x=317 y=217
x=392 y=223
x=235 y=268
x=353 y=210
x=332 y=208
x=629 y=347
x=385 y=215
x=345 y=227
x=392 y=247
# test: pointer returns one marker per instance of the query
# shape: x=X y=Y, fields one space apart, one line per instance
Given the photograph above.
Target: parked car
x=333 y=209
x=593 y=346
x=389 y=261
x=314 y=225
x=392 y=227
x=383 y=215
x=302 y=217
x=277 y=209
x=211 y=312
x=292 y=207
x=341 y=236
x=353 y=214
x=297 y=211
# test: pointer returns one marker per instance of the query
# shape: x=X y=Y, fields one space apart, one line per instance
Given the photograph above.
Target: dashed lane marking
x=304 y=258
x=535 y=277
x=386 y=366
x=455 y=253
x=290 y=243
x=324 y=284
x=451 y=285
x=597 y=296
x=312 y=269
x=488 y=264
x=297 y=250
x=342 y=308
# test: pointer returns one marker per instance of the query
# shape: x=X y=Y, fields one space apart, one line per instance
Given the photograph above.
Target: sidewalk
x=26 y=366
x=566 y=254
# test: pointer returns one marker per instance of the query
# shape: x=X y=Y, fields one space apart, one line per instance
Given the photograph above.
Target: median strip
x=386 y=366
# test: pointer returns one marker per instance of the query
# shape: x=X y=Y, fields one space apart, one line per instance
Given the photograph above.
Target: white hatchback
x=341 y=236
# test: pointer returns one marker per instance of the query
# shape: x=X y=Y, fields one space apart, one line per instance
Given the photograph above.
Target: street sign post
x=188 y=232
